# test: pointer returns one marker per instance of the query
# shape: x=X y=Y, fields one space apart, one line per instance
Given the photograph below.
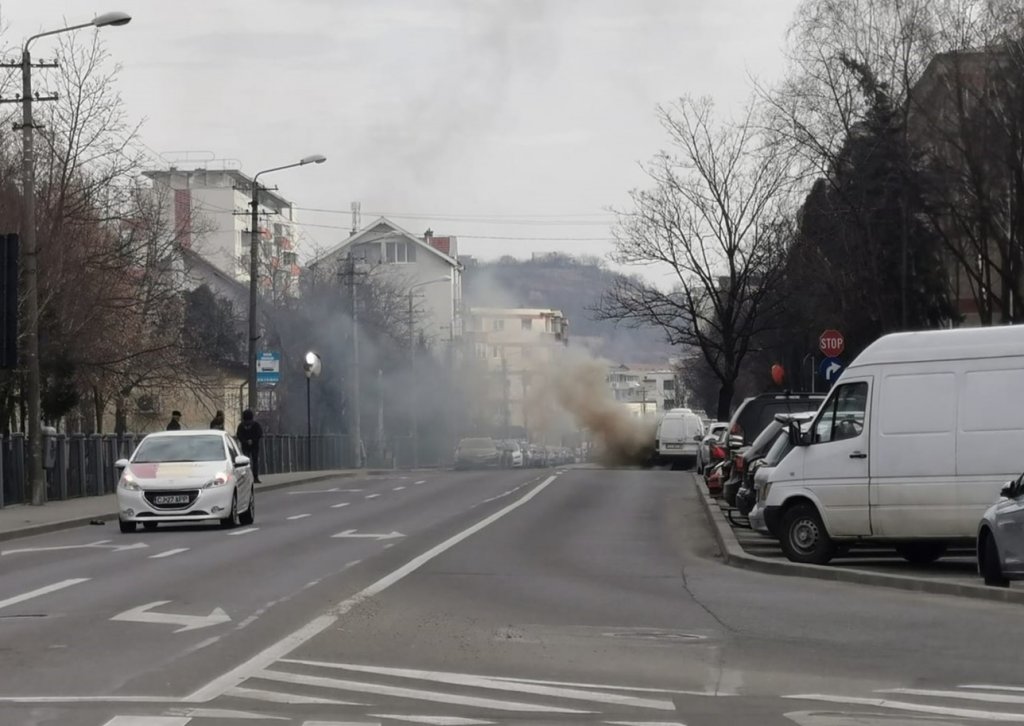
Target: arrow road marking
x=42 y=591
x=144 y=614
x=103 y=544
x=356 y=534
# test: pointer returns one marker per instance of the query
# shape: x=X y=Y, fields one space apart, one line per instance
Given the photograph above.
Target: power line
x=542 y=219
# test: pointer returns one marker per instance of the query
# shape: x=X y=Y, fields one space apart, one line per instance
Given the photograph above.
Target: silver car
x=1001 y=537
x=715 y=434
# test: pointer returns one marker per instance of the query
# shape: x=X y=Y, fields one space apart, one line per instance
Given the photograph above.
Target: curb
x=734 y=555
x=79 y=521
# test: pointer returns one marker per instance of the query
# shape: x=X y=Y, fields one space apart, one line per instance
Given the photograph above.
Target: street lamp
x=254 y=259
x=412 y=368
x=312 y=367
x=29 y=248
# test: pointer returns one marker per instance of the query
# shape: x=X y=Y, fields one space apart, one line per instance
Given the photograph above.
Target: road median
x=733 y=554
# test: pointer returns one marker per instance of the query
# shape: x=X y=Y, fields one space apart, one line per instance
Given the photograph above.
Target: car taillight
x=717 y=452
x=740 y=463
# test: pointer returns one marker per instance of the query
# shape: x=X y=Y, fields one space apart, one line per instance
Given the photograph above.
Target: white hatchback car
x=185 y=476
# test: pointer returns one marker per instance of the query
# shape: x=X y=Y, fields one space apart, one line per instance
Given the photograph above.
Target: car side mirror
x=735 y=441
x=1009 y=489
x=241 y=461
x=121 y=464
x=795 y=435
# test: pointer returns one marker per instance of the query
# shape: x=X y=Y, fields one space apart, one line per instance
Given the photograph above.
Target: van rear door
x=836 y=461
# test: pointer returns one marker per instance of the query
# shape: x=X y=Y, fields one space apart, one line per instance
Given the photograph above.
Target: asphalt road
x=512 y=597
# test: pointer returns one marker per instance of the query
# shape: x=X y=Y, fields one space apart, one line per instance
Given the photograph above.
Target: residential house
x=645 y=390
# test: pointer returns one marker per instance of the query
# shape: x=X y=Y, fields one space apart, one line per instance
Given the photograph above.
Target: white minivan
x=679 y=437
x=911 y=447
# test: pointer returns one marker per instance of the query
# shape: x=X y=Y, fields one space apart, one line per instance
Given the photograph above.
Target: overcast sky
x=439 y=113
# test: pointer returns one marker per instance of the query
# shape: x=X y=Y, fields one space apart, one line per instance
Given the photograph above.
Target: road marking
x=317 y=625
x=356 y=534
x=504 y=684
x=103 y=544
x=144 y=614
x=914 y=707
x=149 y=721
x=398 y=489
x=42 y=591
x=339 y=505
x=258 y=694
x=646 y=723
x=299 y=516
x=372 y=496
x=415 y=693
x=317 y=491
x=987 y=697
x=436 y=720
x=247 y=530
x=604 y=686
x=421 y=481
x=224 y=713
x=1016 y=689
x=169 y=553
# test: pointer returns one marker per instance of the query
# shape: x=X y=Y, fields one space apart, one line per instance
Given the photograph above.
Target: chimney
x=428 y=235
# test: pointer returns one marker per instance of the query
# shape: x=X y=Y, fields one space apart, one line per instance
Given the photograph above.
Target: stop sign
x=831 y=343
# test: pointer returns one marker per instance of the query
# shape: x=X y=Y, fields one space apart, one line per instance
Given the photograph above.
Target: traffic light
x=9 y=301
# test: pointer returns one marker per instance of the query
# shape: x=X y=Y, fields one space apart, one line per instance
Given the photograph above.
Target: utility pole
x=380 y=417
x=357 y=436
x=254 y=262
x=414 y=434
x=504 y=395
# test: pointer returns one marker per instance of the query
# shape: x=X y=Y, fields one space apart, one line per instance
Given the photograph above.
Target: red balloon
x=778 y=374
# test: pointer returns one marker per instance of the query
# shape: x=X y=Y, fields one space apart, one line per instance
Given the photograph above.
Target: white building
x=646 y=391
x=411 y=263
x=211 y=210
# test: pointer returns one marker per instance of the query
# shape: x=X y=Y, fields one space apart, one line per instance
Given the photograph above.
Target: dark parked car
x=756 y=412
x=477 y=453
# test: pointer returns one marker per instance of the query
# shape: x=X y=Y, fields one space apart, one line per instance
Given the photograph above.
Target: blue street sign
x=268 y=367
x=830 y=368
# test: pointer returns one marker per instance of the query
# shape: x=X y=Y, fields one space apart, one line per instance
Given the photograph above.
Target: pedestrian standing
x=175 y=422
x=249 y=434
x=218 y=421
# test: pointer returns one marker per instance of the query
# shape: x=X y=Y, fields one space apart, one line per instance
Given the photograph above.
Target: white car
x=185 y=476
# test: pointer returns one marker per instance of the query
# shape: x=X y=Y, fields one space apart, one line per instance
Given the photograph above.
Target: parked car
x=678 y=438
x=714 y=433
x=772 y=442
x=750 y=418
x=715 y=477
x=511 y=454
x=762 y=472
x=476 y=453
x=1001 y=537
x=185 y=476
x=910 y=447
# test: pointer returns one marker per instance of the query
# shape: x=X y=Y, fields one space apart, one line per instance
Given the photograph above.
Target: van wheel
x=988 y=561
x=921 y=553
x=804 y=537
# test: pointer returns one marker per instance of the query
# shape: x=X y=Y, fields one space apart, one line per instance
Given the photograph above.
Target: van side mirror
x=698 y=438
x=1007 y=490
x=795 y=435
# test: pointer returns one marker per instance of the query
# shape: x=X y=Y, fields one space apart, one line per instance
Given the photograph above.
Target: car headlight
x=128 y=482
x=217 y=481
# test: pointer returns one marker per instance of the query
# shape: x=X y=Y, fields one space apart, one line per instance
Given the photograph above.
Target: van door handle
x=858 y=455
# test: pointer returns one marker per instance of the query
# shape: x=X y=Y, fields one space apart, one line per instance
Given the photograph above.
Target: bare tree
x=715 y=218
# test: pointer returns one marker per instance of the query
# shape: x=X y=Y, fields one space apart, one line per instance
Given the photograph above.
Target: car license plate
x=673 y=446
x=171 y=499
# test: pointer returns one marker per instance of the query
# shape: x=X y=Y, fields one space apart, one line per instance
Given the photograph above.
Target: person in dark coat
x=249 y=434
x=175 y=422
x=218 y=421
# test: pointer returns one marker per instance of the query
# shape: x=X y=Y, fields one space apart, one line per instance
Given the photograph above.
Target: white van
x=678 y=438
x=912 y=445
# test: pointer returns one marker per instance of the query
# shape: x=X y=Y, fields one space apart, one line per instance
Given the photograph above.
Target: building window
x=497 y=325
x=527 y=324
x=668 y=384
x=494 y=351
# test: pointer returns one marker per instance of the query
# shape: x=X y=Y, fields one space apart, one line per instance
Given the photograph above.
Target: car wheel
x=149 y=525
x=988 y=559
x=804 y=537
x=126 y=527
x=249 y=515
x=921 y=553
x=232 y=519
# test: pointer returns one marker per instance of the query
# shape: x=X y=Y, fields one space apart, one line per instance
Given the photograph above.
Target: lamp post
x=254 y=259
x=412 y=367
x=29 y=249
x=312 y=366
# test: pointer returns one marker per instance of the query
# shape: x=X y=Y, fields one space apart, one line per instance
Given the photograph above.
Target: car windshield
x=180 y=448
x=779 y=448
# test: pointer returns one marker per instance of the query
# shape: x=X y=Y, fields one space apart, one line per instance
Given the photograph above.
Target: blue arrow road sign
x=830 y=368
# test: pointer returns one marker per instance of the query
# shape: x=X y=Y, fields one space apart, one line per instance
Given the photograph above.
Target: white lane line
x=505 y=684
x=646 y=723
x=314 y=627
x=148 y=721
x=604 y=686
x=421 y=481
x=398 y=489
x=339 y=505
x=435 y=720
x=968 y=696
x=247 y=530
x=42 y=591
x=914 y=707
x=168 y=553
x=1014 y=689
x=298 y=516
x=225 y=713
x=414 y=693
x=372 y=496
x=258 y=694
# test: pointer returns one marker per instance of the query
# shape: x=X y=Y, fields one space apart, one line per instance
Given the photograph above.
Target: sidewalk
x=22 y=520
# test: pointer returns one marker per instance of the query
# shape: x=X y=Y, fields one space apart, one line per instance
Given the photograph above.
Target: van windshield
x=842 y=416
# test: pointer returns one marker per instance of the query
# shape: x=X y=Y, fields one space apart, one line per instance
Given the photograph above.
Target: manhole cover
x=654 y=634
